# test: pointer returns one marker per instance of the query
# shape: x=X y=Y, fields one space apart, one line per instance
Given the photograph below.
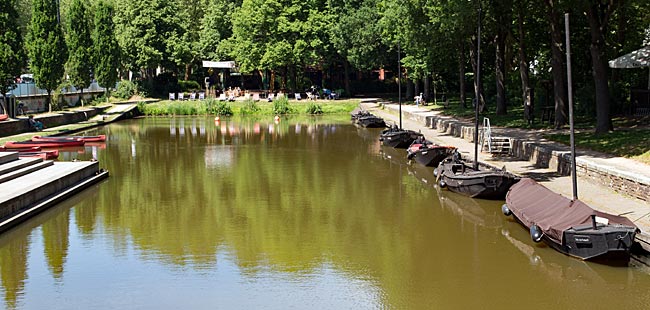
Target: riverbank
x=611 y=184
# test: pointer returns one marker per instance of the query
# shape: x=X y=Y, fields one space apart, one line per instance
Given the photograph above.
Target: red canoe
x=22 y=149
x=50 y=144
x=99 y=138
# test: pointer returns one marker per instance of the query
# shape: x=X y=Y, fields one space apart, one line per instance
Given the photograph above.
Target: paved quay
x=591 y=189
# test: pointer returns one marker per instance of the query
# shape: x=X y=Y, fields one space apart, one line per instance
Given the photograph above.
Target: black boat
x=370 y=121
x=357 y=113
x=428 y=153
x=398 y=137
x=454 y=174
x=570 y=226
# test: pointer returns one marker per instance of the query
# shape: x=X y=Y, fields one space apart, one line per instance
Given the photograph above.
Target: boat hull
x=99 y=138
x=462 y=179
x=429 y=155
x=570 y=226
x=399 y=138
x=371 y=122
x=50 y=144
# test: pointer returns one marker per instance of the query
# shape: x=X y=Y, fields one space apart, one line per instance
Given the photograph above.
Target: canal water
x=307 y=213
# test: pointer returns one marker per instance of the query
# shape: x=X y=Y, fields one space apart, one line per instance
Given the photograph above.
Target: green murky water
x=302 y=214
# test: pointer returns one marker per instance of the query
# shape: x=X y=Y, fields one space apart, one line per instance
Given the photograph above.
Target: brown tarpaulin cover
x=533 y=203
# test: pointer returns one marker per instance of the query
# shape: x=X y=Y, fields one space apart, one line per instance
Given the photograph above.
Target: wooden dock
x=31 y=185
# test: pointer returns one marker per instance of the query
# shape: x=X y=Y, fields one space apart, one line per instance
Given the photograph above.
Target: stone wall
x=21 y=125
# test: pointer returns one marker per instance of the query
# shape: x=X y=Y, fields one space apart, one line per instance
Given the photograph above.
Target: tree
x=148 y=32
x=557 y=63
x=46 y=47
x=79 y=66
x=106 y=55
x=12 y=56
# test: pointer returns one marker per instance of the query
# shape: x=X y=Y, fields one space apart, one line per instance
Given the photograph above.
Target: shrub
x=125 y=89
x=222 y=109
x=314 y=108
x=188 y=85
x=281 y=106
x=249 y=107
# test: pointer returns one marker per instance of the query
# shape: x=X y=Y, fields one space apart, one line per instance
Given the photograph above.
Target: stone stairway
x=31 y=185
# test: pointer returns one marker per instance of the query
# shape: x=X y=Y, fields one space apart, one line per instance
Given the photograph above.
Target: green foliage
x=625 y=143
x=281 y=106
x=125 y=89
x=249 y=107
x=149 y=33
x=222 y=108
x=79 y=65
x=12 y=56
x=314 y=108
x=45 y=46
x=188 y=85
x=106 y=55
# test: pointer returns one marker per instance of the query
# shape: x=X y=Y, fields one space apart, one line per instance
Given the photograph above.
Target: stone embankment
x=610 y=184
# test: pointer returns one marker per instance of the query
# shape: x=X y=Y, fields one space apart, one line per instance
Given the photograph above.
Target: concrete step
x=32 y=166
x=30 y=189
x=17 y=164
x=6 y=157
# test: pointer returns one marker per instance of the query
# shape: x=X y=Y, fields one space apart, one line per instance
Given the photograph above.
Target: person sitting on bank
x=34 y=124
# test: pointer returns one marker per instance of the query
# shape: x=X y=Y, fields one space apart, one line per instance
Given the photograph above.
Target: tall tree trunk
x=621 y=31
x=557 y=65
x=461 y=73
x=409 y=88
x=597 y=24
x=503 y=20
x=416 y=89
x=188 y=71
x=49 y=99
x=477 y=87
x=523 y=64
x=426 y=88
x=346 y=78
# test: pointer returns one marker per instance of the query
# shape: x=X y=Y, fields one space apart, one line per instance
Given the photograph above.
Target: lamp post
x=477 y=91
x=399 y=83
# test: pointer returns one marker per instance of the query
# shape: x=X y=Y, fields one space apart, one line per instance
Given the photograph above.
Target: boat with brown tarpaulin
x=570 y=226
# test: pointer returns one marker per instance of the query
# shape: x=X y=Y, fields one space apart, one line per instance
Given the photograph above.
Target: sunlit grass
x=207 y=107
x=630 y=143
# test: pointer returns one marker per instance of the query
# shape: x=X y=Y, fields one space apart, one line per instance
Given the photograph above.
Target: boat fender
x=442 y=184
x=435 y=172
x=536 y=233
x=410 y=155
x=506 y=211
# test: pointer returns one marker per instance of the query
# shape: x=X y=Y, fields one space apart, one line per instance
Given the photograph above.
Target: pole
x=570 y=88
x=478 y=87
x=399 y=83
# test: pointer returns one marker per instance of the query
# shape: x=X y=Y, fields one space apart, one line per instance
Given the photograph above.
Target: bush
x=221 y=108
x=314 y=108
x=250 y=107
x=281 y=106
x=188 y=85
x=125 y=90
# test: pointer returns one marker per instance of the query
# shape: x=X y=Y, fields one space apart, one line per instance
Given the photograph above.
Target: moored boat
x=43 y=144
x=21 y=149
x=370 y=121
x=398 y=137
x=570 y=226
x=99 y=138
x=428 y=153
x=4 y=117
x=454 y=174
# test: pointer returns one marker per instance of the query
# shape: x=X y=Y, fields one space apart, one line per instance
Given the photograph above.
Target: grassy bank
x=247 y=107
x=631 y=137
